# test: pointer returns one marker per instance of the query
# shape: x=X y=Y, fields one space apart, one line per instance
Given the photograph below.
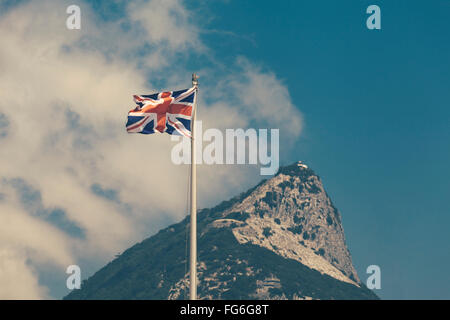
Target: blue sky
x=377 y=120
x=377 y=123
x=374 y=107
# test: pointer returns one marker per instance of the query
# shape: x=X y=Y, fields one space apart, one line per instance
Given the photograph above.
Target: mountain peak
x=292 y=215
x=296 y=169
x=282 y=239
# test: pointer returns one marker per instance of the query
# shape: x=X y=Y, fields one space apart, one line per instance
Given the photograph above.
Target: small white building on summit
x=302 y=165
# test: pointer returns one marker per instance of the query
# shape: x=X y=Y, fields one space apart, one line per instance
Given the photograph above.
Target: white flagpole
x=193 y=252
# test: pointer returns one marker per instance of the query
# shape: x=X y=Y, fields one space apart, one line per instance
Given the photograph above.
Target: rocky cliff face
x=282 y=239
x=293 y=216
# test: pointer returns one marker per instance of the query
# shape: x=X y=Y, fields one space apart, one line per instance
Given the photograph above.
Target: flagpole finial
x=195 y=80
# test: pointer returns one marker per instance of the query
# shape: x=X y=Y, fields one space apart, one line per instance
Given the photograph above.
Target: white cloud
x=167 y=23
x=272 y=98
x=18 y=280
x=41 y=241
x=65 y=95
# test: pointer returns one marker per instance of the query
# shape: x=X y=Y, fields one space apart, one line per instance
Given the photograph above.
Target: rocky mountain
x=282 y=239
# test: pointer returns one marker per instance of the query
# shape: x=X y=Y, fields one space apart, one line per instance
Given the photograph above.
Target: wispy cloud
x=74 y=184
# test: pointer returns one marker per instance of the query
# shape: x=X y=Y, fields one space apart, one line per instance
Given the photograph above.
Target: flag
x=169 y=112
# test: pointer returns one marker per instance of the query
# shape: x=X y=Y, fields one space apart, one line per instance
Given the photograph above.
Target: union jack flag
x=169 y=112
